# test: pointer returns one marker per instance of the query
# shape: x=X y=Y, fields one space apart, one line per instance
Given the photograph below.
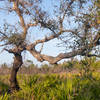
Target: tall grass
x=56 y=87
x=81 y=85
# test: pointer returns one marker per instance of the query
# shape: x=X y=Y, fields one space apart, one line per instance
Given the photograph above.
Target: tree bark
x=16 y=65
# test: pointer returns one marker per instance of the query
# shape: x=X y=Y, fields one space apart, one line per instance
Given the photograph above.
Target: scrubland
x=72 y=80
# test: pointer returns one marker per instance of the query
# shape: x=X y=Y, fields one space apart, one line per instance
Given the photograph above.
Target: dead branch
x=19 y=13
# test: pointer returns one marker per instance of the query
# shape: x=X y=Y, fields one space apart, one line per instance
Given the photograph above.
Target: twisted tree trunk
x=16 y=65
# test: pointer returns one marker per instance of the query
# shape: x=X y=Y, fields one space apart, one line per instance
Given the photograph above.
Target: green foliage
x=15 y=39
x=4 y=97
x=56 y=87
x=45 y=68
x=81 y=85
x=3 y=87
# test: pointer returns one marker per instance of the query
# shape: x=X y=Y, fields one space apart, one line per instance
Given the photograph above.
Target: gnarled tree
x=74 y=22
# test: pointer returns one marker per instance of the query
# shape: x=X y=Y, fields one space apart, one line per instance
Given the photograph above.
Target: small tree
x=70 y=21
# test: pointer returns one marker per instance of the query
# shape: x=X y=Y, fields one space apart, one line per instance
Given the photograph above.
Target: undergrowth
x=81 y=85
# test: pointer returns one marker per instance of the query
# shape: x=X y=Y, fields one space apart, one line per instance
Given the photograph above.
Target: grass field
x=53 y=87
x=83 y=84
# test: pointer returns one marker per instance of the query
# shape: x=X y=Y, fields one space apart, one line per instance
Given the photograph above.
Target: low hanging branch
x=54 y=60
x=19 y=13
x=84 y=51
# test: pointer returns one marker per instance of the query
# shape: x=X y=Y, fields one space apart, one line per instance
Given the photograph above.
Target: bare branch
x=41 y=48
x=54 y=60
x=83 y=51
x=9 y=50
x=19 y=12
x=61 y=19
x=93 y=55
x=4 y=44
x=3 y=34
x=46 y=39
x=31 y=25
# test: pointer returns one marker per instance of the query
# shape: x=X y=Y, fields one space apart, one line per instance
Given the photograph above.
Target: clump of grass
x=3 y=87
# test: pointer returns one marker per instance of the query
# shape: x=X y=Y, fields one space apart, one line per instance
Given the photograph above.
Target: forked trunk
x=16 y=65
